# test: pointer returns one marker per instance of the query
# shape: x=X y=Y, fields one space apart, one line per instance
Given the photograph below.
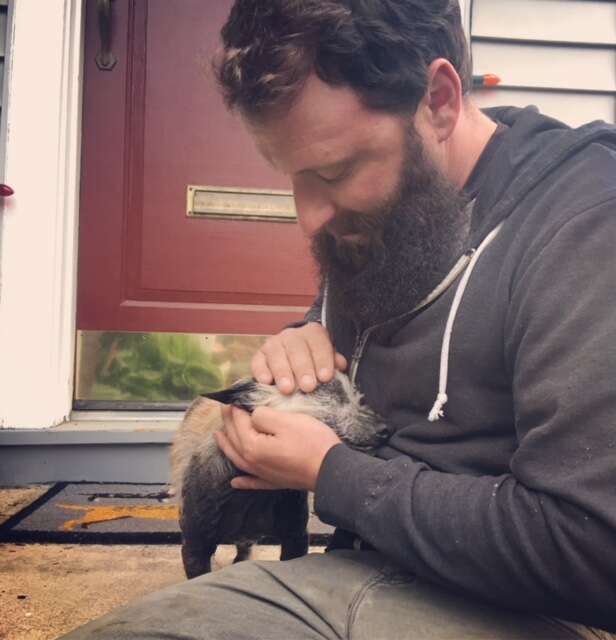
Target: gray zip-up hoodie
x=511 y=494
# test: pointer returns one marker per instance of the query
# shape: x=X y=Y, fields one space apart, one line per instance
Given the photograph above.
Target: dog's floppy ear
x=238 y=395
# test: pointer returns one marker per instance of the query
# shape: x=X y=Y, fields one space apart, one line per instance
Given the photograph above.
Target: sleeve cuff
x=343 y=480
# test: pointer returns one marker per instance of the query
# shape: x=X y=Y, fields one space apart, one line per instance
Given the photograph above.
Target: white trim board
x=38 y=243
x=465 y=11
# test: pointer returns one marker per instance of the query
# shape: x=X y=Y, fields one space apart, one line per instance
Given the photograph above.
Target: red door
x=152 y=126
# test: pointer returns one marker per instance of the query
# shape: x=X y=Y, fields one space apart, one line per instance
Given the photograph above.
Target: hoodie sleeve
x=312 y=315
x=541 y=538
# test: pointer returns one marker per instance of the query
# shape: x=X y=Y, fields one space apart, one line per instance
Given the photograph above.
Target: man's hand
x=300 y=357
x=280 y=450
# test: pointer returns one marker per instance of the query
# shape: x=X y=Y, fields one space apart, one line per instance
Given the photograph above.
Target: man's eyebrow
x=331 y=166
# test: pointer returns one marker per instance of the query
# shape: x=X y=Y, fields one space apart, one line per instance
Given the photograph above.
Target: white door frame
x=38 y=224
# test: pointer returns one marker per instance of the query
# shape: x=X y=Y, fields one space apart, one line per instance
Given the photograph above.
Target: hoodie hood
x=533 y=146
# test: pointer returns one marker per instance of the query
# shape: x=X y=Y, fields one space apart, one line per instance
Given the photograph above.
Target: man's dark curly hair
x=379 y=48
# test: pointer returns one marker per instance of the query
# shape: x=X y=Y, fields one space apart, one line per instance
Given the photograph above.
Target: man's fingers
x=301 y=359
x=241 y=482
x=321 y=352
x=230 y=431
x=260 y=371
x=279 y=365
x=225 y=445
x=248 y=438
x=341 y=362
x=268 y=421
x=239 y=431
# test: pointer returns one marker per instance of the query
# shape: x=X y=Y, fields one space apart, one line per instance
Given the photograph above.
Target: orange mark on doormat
x=95 y=514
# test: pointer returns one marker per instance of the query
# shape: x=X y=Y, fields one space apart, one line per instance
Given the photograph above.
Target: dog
x=212 y=512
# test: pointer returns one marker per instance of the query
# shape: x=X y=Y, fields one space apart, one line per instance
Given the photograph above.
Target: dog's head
x=337 y=403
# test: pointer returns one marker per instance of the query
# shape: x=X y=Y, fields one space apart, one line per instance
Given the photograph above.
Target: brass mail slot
x=240 y=204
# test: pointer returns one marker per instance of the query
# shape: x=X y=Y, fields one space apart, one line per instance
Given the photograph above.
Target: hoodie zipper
x=358 y=350
x=362 y=339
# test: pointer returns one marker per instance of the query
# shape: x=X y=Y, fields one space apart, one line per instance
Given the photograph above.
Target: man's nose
x=314 y=206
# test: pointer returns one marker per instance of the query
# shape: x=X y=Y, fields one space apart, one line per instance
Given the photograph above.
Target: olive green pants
x=355 y=595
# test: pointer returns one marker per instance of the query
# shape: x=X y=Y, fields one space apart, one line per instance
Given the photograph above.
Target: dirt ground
x=46 y=590
x=13 y=500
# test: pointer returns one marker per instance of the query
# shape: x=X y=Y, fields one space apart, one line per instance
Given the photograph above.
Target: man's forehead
x=325 y=125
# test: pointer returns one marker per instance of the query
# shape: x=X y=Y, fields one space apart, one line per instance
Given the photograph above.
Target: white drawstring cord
x=441 y=398
x=324 y=306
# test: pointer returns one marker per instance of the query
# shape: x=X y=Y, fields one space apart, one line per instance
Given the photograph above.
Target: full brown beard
x=398 y=252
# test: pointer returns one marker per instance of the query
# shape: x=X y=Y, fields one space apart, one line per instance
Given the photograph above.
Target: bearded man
x=468 y=264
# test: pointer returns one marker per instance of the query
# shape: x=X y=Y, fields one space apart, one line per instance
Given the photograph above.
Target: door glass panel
x=123 y=370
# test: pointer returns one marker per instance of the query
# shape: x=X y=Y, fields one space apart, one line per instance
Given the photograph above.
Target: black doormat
x=97 y=513
x=87 y=513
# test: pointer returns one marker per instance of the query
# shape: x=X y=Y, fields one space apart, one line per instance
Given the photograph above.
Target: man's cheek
x=372 y=188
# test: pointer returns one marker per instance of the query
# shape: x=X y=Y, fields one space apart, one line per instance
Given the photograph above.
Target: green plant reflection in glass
x=153 y=367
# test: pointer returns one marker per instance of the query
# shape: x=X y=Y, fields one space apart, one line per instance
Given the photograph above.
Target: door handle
x=105 y=60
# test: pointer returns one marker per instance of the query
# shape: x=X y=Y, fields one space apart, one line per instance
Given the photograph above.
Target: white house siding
x=557 y=54
x=580 y=21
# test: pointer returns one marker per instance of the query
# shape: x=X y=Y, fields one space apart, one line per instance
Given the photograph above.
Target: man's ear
x=443 y=100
